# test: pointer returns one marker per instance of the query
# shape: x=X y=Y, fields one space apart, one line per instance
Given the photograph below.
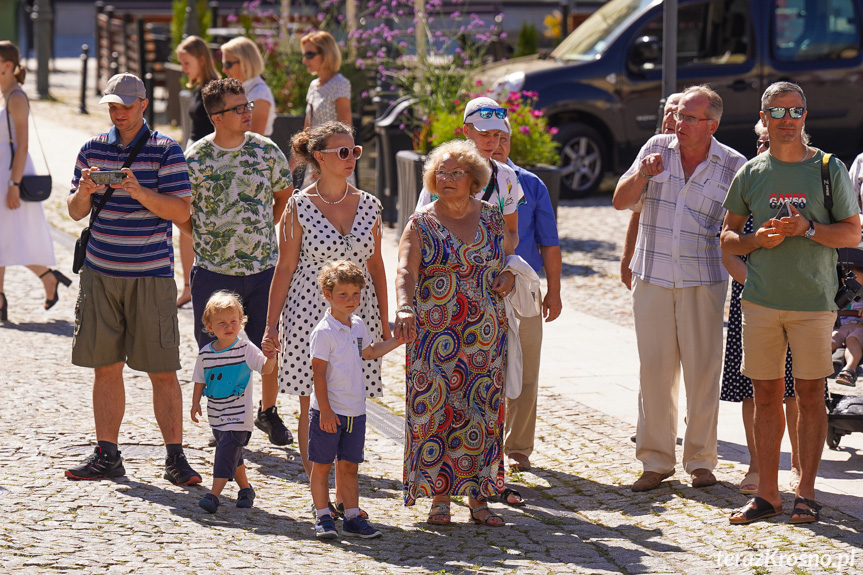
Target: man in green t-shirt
x=790 y=285
x=241 y=183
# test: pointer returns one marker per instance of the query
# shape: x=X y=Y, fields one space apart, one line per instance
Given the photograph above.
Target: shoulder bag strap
x=491 y=188
x=110 y=191
x=826 y=185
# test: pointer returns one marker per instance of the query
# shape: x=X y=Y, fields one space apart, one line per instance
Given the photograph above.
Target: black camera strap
x=827 y=186
x=127 y=164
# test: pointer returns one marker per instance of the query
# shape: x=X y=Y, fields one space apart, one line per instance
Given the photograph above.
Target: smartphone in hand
x=784 y=210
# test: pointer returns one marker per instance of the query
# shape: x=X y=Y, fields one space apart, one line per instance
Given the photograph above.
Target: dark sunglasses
x=760 y=142
x=228 y=64
x=486 y=113
x=240 y=110
x=344 y=152
x=310 y=55
x=778 y=112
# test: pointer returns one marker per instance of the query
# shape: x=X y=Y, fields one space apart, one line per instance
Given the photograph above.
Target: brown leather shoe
x=703 y=478
x=518 y=462
x=650 y=480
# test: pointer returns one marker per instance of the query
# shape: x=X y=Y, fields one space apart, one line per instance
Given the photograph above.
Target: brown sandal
x=488 y=518
x=439 y=510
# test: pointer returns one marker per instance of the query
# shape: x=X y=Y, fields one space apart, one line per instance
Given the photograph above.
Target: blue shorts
x=254 y=292
x=229 y=452
x=347 y=443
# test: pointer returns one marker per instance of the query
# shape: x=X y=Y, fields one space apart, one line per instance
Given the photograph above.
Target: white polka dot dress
x=305 y=305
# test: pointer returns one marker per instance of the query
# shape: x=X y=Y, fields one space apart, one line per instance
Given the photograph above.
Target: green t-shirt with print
x=232 y=204
x=799 y=274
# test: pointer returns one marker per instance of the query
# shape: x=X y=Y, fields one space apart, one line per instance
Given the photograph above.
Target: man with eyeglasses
x=241 y=183
x=788 y=297
x=483 y=125
x=127 y=311
x=678 y=182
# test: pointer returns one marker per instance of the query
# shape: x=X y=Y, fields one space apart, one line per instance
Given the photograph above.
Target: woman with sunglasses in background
x=329 y=220
x=197 y=63
x=329 y=95
x=241 y=59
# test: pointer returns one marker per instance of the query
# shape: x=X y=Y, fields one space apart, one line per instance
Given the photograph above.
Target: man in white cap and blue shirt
x=127 y=312
x=484 y=122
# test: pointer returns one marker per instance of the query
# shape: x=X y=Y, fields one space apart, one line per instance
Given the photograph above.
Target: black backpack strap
x=491 y=188
x=128 y=163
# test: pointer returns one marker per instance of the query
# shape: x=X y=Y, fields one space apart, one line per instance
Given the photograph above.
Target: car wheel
x=582 y=160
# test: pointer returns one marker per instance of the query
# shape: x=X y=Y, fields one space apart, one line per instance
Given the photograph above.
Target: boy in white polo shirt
x=337 y=418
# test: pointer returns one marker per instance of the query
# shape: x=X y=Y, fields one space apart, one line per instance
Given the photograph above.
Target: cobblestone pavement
x=581 y=516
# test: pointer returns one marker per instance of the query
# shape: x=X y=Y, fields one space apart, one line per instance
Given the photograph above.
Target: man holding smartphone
x=788 y=297
x=127 y=312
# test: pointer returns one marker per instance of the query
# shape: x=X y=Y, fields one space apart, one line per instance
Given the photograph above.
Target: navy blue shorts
x=229 y=452
x=254 y=291
x=347 y=443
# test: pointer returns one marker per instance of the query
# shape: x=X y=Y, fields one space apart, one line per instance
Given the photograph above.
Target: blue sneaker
x=359 y=527
x=246 y=497
x=325 y=528
x=209 y=503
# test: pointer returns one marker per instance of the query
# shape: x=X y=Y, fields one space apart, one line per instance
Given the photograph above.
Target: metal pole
x=85 y=52
x=100 y=8
x=564 y=19
x=192 y=27
x=149 y=85
x=43 y=17
x=214 y=14
x=669 y=47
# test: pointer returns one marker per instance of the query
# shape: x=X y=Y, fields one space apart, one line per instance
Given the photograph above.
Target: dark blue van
x=601 y=86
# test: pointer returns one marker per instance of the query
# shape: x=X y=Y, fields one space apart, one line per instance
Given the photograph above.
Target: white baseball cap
x=471 y=115
x=124 y=89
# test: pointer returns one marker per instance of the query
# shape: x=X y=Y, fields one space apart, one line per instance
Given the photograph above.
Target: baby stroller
x=845 y=412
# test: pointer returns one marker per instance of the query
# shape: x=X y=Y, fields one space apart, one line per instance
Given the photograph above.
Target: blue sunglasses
x=486 y=113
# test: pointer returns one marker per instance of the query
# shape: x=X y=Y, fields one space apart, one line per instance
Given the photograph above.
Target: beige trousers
x=520 y=422
x=674 y=327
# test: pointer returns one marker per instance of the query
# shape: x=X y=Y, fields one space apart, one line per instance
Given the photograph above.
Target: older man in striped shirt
x=679 y=286
x=127 y=312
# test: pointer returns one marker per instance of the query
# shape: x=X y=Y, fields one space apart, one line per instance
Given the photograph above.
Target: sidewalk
x=581 y=516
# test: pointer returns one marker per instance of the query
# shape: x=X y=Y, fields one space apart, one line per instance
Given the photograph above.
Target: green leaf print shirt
x=232 y=204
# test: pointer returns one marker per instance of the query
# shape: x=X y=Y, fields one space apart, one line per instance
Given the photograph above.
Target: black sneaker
x=270 y=423
x=98 y=465
x=179 y=472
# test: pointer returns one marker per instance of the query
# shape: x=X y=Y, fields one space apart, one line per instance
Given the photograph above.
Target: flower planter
x=551 y=177
x=409 y=172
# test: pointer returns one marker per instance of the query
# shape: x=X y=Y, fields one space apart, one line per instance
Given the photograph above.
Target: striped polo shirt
x=127 y=239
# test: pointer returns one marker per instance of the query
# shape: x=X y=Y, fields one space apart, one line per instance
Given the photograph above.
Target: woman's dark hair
x=10 y=53
x=311 y=140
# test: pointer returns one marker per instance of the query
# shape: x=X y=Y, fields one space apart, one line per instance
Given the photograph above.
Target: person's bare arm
x=552 y=262
x=629 y=249
x=629 y=190
x=733 y=241
x=377 y=271
x=280 y=200
x=18 y=109
x=80 y=202
x=512 y=226
x=329 y=419
x=286 y=265
x=735 y=266
x=410 y=255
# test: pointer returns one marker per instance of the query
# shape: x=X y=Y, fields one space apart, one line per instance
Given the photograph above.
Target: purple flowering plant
x=532 y=140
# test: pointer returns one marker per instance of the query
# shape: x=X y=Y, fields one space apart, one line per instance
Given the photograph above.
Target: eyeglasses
x=310 y=55
x=228 y=64
x=344 y=152
x=455 y=174
x=486 y=113
x=678 y=117
x=240 y=110
x=762 y=144
x=778 y=112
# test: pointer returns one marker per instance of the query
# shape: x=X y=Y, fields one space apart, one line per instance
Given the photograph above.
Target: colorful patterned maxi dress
x=456 y=366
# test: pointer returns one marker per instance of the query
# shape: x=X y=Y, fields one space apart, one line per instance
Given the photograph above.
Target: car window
x=709 y=33
x=815 y=30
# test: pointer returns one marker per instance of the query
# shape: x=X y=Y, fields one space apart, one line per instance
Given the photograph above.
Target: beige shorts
x=847 y=330
x=133 y=320
x=767 y=333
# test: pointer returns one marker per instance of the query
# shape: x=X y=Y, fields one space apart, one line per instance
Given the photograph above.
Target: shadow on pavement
x=55 y=327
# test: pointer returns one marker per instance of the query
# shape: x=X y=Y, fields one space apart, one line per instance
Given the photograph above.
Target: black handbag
x=33 y=188
x=80 y=254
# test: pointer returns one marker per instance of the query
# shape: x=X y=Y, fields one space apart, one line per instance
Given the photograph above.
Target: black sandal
x=4 y=311
x=61 y=279
x=812 y=515
x=755 y=509
x=506 y=494
x=489 y=519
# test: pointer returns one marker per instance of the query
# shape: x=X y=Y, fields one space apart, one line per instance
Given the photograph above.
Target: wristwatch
x=811 y=231
x=14 y=183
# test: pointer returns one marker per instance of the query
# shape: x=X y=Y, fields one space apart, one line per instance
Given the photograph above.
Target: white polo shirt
x=341 y=347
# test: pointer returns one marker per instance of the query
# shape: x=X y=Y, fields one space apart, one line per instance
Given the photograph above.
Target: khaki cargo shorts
x=768 y=332
x=133 y=320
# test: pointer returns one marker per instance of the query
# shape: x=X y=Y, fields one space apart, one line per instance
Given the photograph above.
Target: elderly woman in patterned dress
x=450 y=286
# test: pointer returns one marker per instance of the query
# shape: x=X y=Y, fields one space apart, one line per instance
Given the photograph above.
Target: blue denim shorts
x=229 y=452
x=347 y=443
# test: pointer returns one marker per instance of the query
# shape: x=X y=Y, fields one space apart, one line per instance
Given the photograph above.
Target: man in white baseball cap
x=483 y=125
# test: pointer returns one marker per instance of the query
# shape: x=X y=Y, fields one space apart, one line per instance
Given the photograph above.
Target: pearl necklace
x=347 y=187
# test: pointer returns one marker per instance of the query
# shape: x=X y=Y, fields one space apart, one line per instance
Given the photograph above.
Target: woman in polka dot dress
x=329 y=220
